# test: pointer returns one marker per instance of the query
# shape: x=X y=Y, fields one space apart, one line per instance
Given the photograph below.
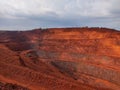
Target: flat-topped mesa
x=99 y=41
x=80 y=33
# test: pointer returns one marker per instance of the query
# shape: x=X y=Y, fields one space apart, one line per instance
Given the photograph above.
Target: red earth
x=60 y=59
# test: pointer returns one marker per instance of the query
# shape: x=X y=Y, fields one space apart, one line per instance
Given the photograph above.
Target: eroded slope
x=61 y=59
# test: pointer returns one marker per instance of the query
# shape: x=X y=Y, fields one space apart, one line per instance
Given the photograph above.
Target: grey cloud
x=21 y=14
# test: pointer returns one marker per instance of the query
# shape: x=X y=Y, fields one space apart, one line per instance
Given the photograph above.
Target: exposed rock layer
x=61 y=59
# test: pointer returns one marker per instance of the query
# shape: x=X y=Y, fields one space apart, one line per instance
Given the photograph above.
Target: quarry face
x=60 y=59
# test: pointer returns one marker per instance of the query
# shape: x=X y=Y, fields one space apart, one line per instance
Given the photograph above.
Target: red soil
x=60 y=59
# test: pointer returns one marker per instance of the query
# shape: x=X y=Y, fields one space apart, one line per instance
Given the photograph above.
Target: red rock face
x=60 y=59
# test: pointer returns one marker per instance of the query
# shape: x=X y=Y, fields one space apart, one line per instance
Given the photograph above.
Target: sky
x=30 y=14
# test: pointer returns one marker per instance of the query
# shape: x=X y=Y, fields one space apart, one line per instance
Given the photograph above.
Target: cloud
x=24 y=14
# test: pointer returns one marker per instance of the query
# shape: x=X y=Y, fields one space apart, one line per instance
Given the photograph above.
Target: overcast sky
x=29 y=14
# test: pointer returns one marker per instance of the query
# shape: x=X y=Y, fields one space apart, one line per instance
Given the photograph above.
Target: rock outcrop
x=61 y=59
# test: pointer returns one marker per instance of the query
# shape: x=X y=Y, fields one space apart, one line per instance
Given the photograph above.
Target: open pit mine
x=60 y=59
